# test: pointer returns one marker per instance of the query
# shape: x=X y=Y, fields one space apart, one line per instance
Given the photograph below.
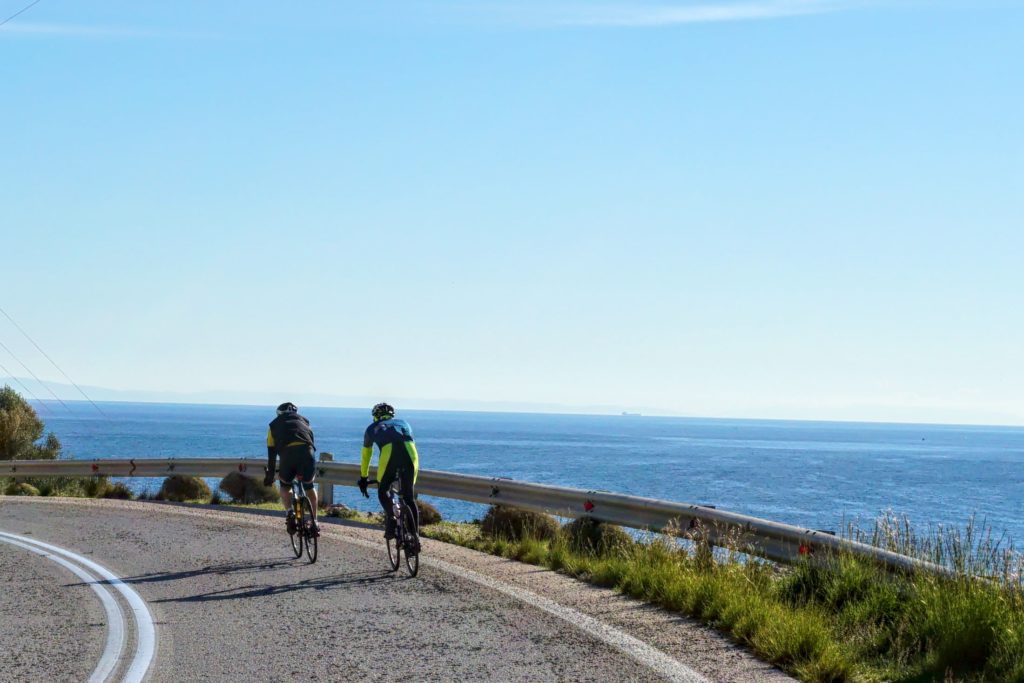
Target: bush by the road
x=21 y=430
x=586 y=535
x=180 y=488
x=243 y=489
x=80 y=487
x=58 y=486
x=428 y=513
x=514 y=524
x=119 y=491
x=21 y=488
x=95 y=487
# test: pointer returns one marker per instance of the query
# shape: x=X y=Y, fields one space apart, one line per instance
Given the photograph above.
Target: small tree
x=21 y=430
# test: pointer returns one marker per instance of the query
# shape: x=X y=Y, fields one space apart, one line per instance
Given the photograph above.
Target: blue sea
x=819 y=475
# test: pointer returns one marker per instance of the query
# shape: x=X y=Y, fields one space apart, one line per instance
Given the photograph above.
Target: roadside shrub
x=118 y=491
x=21 y=430
x=21 y=488
x=243 y=489
x=69 y=487
x=95 y=487
x=515 y=524
x=179 y=488
x=341 y=511
x=57 y=486
x=428 y=513
x=587 y=535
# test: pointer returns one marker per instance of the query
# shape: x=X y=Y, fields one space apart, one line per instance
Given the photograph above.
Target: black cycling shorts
x=298 y=461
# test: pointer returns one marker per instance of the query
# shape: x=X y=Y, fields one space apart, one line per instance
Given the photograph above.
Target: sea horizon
x=569 y=411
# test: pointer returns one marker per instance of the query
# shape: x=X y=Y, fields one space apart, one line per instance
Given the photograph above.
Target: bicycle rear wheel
x=307 y=530
x=395 y=548
x=296 y=538
x=412 y=560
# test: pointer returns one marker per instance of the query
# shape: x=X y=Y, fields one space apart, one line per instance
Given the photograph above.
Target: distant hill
x=47 y=390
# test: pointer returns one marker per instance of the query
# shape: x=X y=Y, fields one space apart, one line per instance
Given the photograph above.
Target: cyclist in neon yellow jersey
x=398 y=458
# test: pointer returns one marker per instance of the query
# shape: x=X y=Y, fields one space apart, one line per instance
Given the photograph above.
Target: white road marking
x=115 y=621
x=145 y=646
x=672 y=669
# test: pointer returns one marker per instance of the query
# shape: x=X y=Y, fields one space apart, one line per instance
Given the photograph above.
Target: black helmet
x=382 y=411
x=287 y=408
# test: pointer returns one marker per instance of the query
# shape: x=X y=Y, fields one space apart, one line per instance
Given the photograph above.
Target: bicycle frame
x=298 y=493
x=395 y=496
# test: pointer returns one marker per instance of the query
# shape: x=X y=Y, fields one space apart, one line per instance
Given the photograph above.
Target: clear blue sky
x=770 y=208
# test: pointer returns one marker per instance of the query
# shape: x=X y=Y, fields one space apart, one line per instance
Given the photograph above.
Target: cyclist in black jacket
x=290 y=436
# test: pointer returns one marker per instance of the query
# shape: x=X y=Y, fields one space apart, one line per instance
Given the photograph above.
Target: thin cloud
x=700 y=14
x=647 y=15
x=30 y=29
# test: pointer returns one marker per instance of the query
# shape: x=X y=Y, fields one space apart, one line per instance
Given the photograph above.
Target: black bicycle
x=406 y=540
x=303 y=534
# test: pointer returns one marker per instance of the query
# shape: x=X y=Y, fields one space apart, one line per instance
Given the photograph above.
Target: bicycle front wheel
x=307 y=530
x=412 y=560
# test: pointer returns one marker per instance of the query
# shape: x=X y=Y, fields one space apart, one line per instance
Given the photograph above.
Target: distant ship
x=625 y=414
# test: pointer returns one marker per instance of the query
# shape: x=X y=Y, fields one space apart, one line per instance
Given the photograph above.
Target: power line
x=27 y=390
x=54 y=364
x=21 y=11
x=29 y=370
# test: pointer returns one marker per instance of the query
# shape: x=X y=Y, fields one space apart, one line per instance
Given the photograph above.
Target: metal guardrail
x=761 y=537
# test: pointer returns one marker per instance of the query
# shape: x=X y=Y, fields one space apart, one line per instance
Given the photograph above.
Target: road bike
x=406 y=540
x=303 y=534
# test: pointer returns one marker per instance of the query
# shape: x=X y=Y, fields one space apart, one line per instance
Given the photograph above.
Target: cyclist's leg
x=407 y=478
x=407 y=488
x=287 y=474
x=307 y=470
x=313 y=498
x=385 y=477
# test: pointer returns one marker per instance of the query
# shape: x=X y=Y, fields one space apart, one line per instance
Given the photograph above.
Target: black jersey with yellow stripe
x=289 y=429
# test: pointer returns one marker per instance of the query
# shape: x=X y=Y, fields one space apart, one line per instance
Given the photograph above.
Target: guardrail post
x=326 y=490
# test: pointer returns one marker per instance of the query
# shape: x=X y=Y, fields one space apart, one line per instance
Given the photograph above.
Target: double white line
x=98 y=578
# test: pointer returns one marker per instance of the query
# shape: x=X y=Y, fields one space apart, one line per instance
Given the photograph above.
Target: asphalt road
x=230 y=602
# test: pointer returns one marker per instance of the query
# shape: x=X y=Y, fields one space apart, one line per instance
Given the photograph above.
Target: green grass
x=846 y=620
x=250 y=506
